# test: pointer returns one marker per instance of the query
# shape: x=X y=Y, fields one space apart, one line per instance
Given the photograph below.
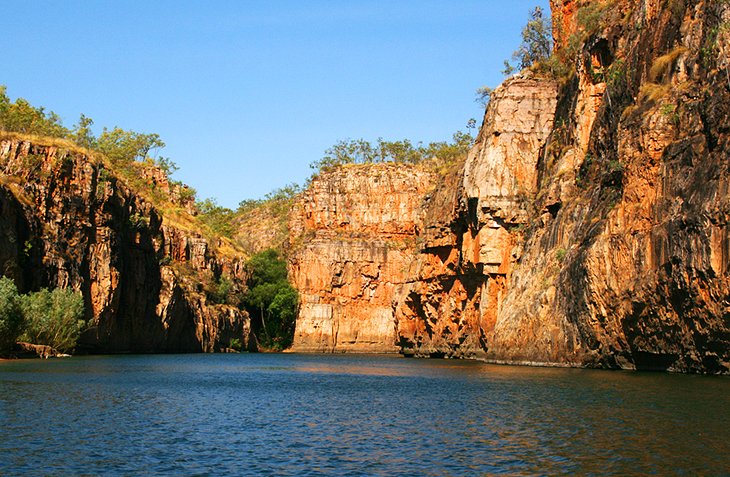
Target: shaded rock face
x=474 y=225
x=68 y=222
x=355 y=231
x=630 y=272
x=588 y=225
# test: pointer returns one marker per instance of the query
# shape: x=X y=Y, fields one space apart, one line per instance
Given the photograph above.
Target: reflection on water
x=353 y=415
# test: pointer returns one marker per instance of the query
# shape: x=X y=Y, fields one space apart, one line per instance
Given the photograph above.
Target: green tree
x=357 y=151
x=167 y=165
x=123 y=147
x=53 y=318
x=224 y=291
x=271 y=301
x=11 y=315
x=404 y=151
x=537 y=41
x=82 y=134
x=448 y=152
x=397 y=151
x=483 y=94
x=23 y=117
x=219 y=219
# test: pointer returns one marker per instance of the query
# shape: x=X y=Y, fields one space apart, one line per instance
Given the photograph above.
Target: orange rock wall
x=587 y=227
x=355 y=229
x=68 y=221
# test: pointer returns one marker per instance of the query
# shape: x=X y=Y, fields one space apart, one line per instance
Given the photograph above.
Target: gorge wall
x=66 y=220
x=355 y=229
x=587 y=227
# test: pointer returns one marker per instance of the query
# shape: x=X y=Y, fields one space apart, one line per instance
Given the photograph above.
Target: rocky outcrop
x=354 y=230
x=68 y=220
x=629 y=271
x=587 y=227
x=29 y=350
x=392 y=262
x=474 y=226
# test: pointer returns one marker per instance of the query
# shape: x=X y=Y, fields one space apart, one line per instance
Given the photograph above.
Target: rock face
x=587 y=227
x=67 y=221
x=474 y=227
x=356 y=230
x=629 y=272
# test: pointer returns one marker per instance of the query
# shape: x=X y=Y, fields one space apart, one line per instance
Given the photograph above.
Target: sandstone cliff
x=587 y=227
x=629 y=269
x=67 y=220
x=355 y=231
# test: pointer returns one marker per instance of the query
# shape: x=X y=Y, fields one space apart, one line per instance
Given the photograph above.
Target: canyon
x=586 y=227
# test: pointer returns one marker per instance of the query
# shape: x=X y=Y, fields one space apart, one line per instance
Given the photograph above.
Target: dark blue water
x=337 y=415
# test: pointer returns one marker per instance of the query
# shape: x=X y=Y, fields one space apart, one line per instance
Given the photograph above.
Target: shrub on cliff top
x=537 y=41
x=23 y=117
x=360 y=151
x=219 y=219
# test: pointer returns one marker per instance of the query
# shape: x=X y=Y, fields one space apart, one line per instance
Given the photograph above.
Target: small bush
x=217 y=218
x=11 y=315
x=560 y=254
x=360 y=151
x=223 y=292
x=662 y=66
x=53 y=318
x=235 y=344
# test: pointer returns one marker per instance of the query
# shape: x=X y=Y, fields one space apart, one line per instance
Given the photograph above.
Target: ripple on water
x=353 y=415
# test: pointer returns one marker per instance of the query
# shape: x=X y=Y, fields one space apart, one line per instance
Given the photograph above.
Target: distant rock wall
x=355 y=231
x=67 y=221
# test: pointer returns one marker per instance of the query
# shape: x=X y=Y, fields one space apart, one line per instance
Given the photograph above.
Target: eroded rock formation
x=66 y=220
x=356 y=230
x=588 y=226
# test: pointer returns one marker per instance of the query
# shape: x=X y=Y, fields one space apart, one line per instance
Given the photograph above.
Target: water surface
x=289 y=414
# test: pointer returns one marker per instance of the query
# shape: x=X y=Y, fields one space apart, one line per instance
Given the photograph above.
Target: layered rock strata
x=474 y=225
x=355 y=231
x=588 y=226
x=66 y=220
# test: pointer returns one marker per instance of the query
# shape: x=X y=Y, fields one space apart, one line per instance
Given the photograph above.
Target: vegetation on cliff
x=11 y=315
x=537 y=42
x=264 y=223
x=129 y=155
x=360 y=151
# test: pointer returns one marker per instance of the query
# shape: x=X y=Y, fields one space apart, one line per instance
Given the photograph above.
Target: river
x=311 y=415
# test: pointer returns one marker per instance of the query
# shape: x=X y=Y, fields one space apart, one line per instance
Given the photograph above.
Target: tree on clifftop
x=537 y=42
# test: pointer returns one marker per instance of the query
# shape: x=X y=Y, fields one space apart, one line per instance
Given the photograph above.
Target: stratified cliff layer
x=587 y=227
x=629 y=269
x=355 y=231
x=474 y=225
x=67 y=220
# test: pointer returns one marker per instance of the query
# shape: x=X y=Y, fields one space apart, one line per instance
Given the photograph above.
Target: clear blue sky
x=247 y=94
